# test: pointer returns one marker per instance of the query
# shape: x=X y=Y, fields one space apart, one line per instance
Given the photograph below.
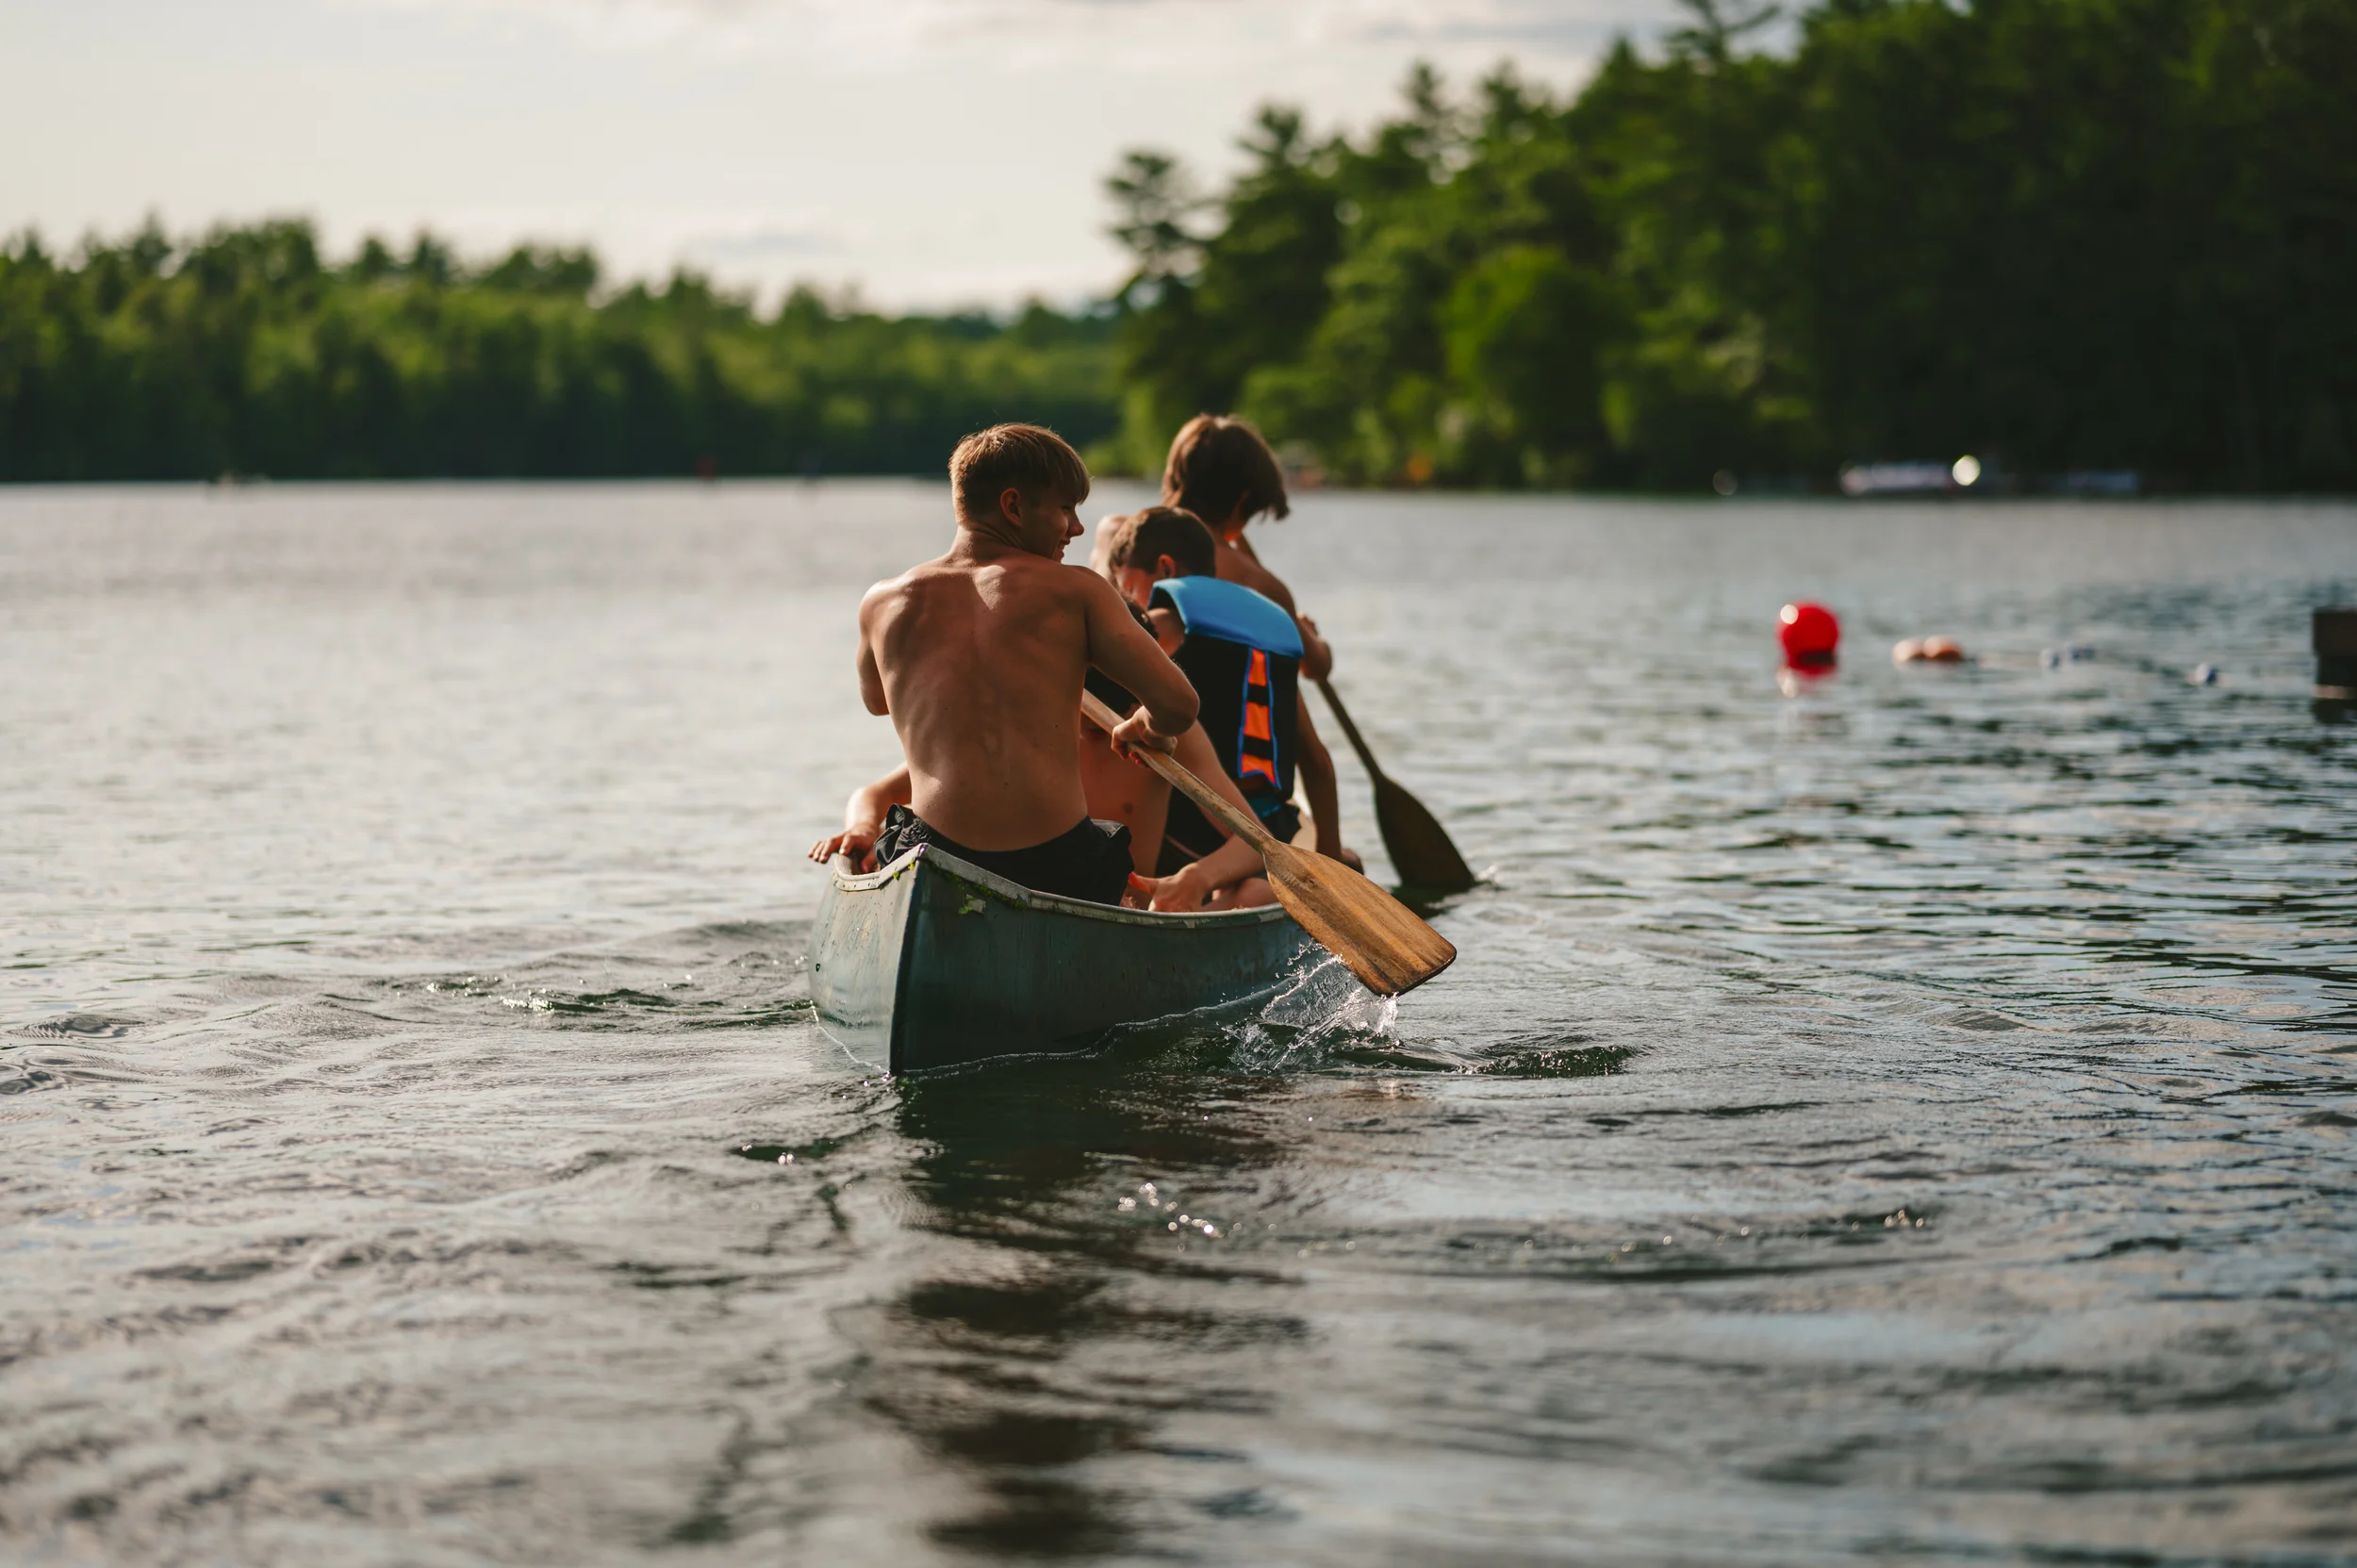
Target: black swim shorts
x=1091 y=862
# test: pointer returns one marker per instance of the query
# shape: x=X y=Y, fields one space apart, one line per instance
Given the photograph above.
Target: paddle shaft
x=1174 y=772
x=1376 y=937
x=1358 y=741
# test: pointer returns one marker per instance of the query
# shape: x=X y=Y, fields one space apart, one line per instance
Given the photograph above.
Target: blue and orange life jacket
x=1242 y=654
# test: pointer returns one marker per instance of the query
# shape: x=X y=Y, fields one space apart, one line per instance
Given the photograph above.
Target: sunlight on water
x=1905 y=1120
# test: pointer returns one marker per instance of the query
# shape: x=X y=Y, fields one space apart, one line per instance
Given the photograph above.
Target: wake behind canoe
x=931 y=962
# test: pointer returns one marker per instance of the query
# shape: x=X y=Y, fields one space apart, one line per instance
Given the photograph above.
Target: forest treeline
x=246 y=352
x=2057 y=234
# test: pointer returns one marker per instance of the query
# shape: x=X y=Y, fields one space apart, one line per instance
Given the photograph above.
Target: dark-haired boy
x=978 y=658
x=1238 y=647
x=1221 y=468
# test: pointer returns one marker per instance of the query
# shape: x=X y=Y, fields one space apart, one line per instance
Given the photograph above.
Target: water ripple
x=1909 y=1120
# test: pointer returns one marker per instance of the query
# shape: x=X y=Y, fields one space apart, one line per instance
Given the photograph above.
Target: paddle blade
x=1419 y=846
x=1381 y=940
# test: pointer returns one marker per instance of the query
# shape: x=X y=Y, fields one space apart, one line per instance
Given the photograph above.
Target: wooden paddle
x=1419 y=847
x=1382 y=942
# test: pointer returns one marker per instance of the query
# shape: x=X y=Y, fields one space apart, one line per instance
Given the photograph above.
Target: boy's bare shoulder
x=891 y=589
x=913 y=574
x=912 y=581
x=1033 y=578
x=1024 y=576
x=1237 y=567
x=1081 y=581
x=1074 y=584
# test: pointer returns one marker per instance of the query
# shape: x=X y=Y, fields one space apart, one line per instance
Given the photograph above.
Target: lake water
x=1906 y=1121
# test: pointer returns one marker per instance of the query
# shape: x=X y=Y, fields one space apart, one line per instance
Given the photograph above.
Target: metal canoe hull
x=933 y=962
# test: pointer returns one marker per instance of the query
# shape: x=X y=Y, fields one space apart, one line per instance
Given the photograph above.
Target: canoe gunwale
x=849 y=881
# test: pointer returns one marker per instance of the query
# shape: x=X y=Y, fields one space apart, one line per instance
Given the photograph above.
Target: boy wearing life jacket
x=1221 y=470
x=1124 y=791
x=978 y=658
x=1241 y=651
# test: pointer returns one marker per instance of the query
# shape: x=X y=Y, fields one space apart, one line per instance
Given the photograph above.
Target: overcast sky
x=934 y=152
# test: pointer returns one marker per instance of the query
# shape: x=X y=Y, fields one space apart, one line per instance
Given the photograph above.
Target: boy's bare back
x=979 y=656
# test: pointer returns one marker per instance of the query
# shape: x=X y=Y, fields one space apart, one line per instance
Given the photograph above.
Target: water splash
x=1322 y=1008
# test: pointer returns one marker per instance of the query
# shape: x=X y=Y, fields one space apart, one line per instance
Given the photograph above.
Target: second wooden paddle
x=1380 y=939
x=1419 y=845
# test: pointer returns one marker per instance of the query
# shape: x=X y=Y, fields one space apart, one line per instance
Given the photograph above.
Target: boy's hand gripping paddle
x=1382 y=942
x=1419 y=846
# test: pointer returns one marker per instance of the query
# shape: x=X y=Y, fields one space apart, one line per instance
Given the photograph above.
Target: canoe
x=931 y=962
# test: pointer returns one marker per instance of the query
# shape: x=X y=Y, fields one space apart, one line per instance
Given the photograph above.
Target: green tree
x=246 y=352
x=2056 y=233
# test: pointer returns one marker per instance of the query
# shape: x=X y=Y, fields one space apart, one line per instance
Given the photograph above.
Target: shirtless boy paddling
x=978 y=659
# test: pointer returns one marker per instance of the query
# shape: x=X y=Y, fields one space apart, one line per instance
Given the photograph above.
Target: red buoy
x=1809 y=633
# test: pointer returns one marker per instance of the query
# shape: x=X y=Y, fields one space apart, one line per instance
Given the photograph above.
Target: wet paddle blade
x=1381 y=940
x=1419 y=846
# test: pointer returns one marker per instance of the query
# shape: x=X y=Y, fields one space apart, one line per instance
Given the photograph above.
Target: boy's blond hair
x=1218 y=461
x=1028 y=457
